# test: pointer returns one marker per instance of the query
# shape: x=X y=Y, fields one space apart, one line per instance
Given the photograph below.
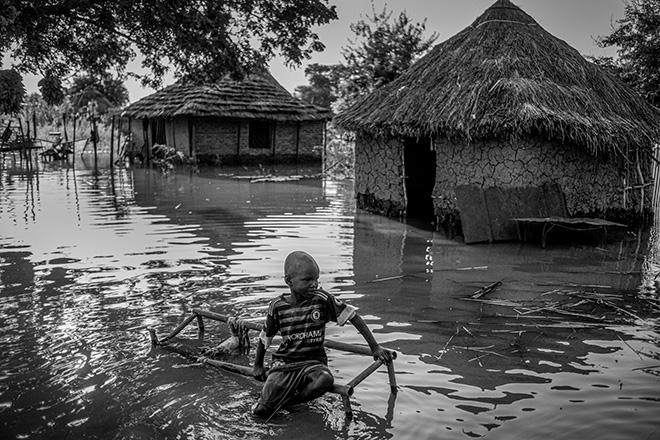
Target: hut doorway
x=419 y=168
x=158 y=132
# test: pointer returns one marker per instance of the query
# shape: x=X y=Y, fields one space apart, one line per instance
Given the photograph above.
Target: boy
x=299 y=372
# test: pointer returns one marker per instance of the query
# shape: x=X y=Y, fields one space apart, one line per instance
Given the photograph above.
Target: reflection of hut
x=231 y=121
x=503 y=105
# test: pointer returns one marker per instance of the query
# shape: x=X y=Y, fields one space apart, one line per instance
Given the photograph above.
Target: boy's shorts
x=285 y=380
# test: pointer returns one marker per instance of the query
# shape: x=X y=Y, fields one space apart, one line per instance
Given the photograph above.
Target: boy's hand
x=381 y=354
x=259 y=373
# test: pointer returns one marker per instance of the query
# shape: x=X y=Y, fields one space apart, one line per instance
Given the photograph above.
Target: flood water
x=567 y=346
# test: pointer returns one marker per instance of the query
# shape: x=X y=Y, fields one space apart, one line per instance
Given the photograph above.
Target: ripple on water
x=88 y=262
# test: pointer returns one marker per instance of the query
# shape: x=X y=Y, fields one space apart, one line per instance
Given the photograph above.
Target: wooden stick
x=224 y=318
x=347 y=406
x=364 y=374
x=179 y=328
x=392 y=376
x=351 y=348
x=234 y=368
x=486 y=289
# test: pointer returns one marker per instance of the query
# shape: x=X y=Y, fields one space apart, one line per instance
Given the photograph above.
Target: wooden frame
x=345 y=391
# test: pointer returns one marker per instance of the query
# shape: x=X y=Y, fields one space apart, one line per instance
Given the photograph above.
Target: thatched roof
x=504 y=76
x=258 y=96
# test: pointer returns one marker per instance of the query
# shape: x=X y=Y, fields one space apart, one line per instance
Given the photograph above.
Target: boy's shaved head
x=298 y=261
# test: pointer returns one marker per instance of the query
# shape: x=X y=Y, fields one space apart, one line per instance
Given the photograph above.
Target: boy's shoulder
x=284 y=300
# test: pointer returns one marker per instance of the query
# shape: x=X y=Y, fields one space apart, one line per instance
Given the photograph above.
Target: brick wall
x=221 y=140
x=214 y=136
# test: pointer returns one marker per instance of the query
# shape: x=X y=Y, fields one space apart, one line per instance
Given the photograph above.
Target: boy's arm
x=379 y=352
x=258 y=370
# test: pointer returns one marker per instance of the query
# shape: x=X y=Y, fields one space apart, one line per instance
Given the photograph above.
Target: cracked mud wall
x=592 y=185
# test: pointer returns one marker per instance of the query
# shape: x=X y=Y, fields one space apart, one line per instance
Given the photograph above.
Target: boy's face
x=304 y=279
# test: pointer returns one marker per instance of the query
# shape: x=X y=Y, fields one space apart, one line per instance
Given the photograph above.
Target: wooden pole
x=392 y=376
x=238 y=142
x=179 y=328
x=120 y=154
x=364 y=374
x=234 y=368
x=112 y=141
x=225 y=318
x=66 y=136
x=94 y=136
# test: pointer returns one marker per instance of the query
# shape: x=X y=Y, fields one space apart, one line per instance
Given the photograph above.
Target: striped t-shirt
x=302 y=326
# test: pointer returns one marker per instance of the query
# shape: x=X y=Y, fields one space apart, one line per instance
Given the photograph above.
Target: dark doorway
x=158 y=132
x=260 y=134
x=419 y=162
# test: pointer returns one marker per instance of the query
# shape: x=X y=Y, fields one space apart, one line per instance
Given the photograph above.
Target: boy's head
x=301 y=273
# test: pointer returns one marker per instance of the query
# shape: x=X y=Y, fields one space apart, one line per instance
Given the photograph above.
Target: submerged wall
x=219 y=140
x=592 y=185
x=379 y=175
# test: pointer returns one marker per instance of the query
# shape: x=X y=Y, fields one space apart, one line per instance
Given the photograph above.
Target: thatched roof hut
x=505 y=78
x=257 y=101
x=258 y=96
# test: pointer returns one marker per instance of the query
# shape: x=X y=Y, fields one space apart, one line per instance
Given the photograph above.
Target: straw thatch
x=505 y=77
x=258 y=96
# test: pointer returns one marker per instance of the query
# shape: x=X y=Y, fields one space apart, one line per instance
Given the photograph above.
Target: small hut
x=252 y=120
x=503 y=117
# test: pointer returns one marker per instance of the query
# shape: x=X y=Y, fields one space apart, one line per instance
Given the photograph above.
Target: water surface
x=567 y=346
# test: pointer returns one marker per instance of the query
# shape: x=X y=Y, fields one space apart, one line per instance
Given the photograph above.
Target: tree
x=323 y=80
x=110 y=87
x=380 y=54
x=12 y=92
x=200 y=40
x=381 y=50
x=637 y=35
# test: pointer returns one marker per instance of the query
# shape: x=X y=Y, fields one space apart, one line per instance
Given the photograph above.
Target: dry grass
x=256 y=97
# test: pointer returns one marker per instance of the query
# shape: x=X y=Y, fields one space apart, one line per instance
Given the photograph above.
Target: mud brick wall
x=214 y=136
x=379 y=175
x=218 y=140
x=309 y=142
x=591 y=185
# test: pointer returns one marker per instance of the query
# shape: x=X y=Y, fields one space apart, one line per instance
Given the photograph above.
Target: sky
x=578 y=22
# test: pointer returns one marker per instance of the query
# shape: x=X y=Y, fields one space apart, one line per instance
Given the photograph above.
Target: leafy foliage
x=199 y=39
x=383 y=53
x=110 y=87
x=51 y=90
x=323 y=80
x=44 y=114
x=382 y=49
x=12 y=92
x=638 y=37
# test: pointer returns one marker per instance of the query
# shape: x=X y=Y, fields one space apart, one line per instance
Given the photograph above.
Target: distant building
x=504 y=106
x=253 y=120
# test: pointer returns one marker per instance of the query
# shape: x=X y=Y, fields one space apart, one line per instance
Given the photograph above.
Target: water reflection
x=89 y=258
